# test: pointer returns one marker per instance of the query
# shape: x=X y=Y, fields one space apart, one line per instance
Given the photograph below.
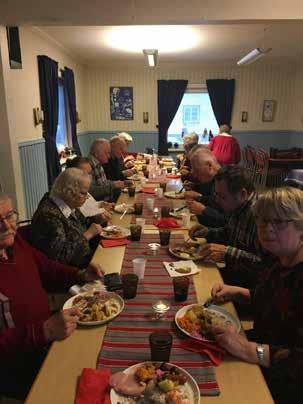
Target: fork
x=123 y=214
x=208 y=303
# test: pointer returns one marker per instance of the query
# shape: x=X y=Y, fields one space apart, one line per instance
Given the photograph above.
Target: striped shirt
x=101 y=187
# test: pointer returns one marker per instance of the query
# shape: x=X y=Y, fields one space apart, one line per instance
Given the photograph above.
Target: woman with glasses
x=276 y=341
x=59 y=229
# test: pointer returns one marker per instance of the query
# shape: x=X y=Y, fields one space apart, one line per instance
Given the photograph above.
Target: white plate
x=121 y=208
x=178 y=215
x=191 y=385
x=174 y=195
x=177 y=255
x=229 y=318
x=69 y=304
x=125 y=190
x=172 y=266
x=125 y=232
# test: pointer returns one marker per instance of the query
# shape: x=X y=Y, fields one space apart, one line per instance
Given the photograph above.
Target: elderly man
x=59 y=229
x=101 y=186
x=203 y=203
x=128 y=158
x=26 y=324
x=236 y=243
x=114 y=168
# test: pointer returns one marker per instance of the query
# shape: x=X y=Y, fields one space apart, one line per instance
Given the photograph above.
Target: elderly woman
x=276 y=341
x=59 y=229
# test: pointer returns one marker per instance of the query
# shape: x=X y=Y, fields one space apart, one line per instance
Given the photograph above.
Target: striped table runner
x=126 y=341
x=148 y=214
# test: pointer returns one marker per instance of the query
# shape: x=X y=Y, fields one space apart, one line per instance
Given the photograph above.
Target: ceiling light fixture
x=253 y=55
x=152 y=56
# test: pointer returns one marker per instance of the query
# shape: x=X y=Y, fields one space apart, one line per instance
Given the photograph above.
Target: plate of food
x=181 y=268
x=174 y=194
x=185 y=251
x=124 y=206
x=97 y=307
x=153 y=382
x=135 y=177
x=196 y=321
x=179 y=212
x=114 y=232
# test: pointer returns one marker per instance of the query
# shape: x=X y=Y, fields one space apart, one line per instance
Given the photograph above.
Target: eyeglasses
x=277 y=224
x=11 y=217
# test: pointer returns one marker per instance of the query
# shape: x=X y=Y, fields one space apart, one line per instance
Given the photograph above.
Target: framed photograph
x=121 y=103
x=269 y=109
x=244 y=116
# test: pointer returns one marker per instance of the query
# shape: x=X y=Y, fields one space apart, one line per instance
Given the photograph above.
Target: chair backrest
x=293 y=153
x=25 y=230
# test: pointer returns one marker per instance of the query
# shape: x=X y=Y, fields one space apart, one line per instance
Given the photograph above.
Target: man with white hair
x=128 y=158
x=26 y=324
x=59 y=229
x=101 y=186
x=203 y=203
x=114 y=168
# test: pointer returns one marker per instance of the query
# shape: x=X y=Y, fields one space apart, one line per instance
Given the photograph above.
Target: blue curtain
x=48 y=82
x=170 y=94
x=221 y=94
x=69 y=89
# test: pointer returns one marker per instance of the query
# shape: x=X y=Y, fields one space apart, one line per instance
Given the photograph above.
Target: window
x=191 y=114
x=61 y=136
x=195 y=114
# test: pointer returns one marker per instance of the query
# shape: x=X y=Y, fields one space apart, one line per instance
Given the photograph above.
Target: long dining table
x=56 y=383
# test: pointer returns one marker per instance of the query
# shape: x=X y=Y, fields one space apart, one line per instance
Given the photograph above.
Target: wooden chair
x=293 y=153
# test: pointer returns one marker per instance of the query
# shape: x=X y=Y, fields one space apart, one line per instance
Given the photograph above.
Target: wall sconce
x=38 y=116
x=78 y=117
x=152 y=56
x=145 y=117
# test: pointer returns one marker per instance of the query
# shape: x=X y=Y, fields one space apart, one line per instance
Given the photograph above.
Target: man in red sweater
x=26 y=324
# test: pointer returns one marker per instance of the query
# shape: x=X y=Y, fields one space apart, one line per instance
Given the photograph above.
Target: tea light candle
x=154 y=247
x=160 y=308
x=156 y=213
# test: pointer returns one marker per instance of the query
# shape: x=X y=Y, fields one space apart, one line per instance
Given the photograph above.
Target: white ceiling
x=126 y=12
x=217 y=42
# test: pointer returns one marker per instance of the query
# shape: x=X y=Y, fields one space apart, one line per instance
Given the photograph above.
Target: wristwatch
x=260 y=353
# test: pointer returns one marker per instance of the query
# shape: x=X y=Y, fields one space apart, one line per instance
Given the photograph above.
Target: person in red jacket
x=225 y=147
x=26 y=324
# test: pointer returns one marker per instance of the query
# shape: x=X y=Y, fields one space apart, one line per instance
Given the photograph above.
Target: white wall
x=22 y=93
x=254 y=84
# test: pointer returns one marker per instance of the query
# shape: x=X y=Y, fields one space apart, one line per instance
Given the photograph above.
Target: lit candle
x=160 y=308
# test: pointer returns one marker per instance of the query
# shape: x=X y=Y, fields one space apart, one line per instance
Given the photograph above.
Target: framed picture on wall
x=269 y=109
x=121 y=103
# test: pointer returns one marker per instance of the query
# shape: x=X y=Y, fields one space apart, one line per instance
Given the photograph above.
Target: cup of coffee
x=129 y=284
x=135 y=232
x=138 y=207
x=131 y=191
x=181 y=285
x=165 y=211
x=160 y=346
x=164 y=236
x=139 y=267
x=150 y=203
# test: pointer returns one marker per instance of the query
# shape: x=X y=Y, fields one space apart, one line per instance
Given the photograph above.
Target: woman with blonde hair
x=276 y=341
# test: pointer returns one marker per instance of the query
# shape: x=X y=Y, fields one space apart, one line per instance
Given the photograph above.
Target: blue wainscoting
x=141 y=140
x=34 y=173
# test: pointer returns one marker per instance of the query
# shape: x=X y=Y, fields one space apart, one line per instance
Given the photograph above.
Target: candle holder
x=160 y=308
x=156 y=213
x=153 y=248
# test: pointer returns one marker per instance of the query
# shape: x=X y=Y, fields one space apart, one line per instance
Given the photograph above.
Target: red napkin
x=167 y=222
x=173 y=176
x=211 y=349
x=148 y=190
x=114 y=243
x=93 y=387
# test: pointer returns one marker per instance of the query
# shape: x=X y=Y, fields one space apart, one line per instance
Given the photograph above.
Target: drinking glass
x=160 y=346
x=181 y=285
x=138 y=206
x=135 y=232
x=164 y=236
x=129 y=284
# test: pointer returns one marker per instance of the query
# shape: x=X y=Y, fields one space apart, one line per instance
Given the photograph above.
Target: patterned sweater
x=59 y=237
